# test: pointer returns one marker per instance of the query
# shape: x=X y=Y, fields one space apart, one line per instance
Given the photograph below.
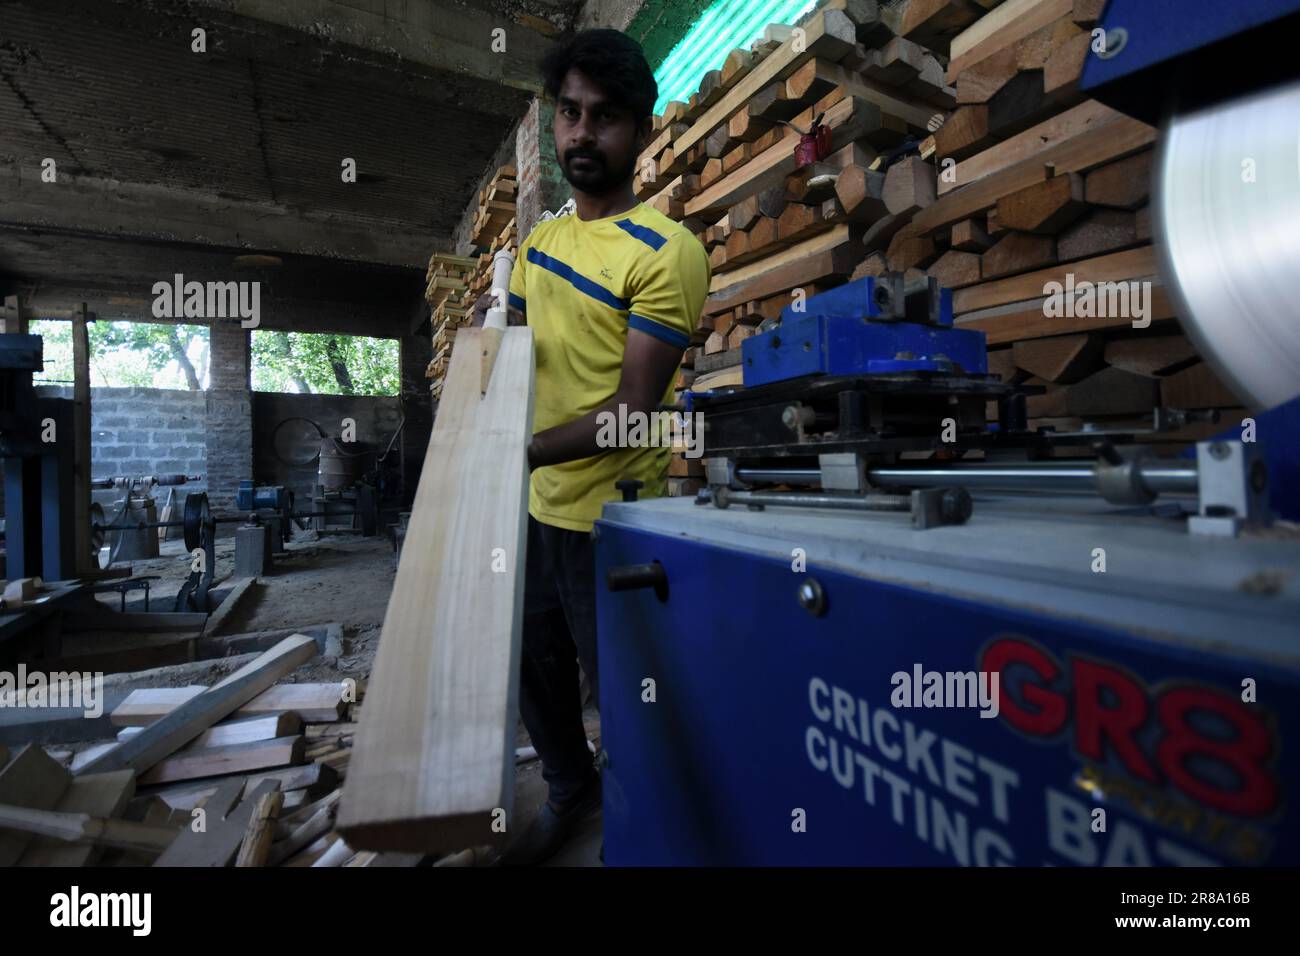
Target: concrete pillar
x=542 y=185
x=229 y=452
x=417 y=406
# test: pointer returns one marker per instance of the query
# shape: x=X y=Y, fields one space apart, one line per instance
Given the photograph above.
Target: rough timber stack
x=449 y=278
x=1029 y=184
x=961 y=147
x=724 y=164
x=456 y=282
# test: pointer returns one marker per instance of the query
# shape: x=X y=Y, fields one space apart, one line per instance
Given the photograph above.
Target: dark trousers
x=559 y=633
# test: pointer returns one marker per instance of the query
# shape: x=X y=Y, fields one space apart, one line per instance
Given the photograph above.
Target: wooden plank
x=168 y=734
x=829 y=240
x=1064 y=68
x=309 y=823
x=218 y=844
x=874 y=21
x=1125 y=184
x=932 y=22
x=1023 y=320
x=32 y=779
x=659 y=143
x=1002 y=364
x=979 y=82
x=742 y=215
x=1150 y=354
x=861 y=193
x=261 y=829
x=1061 y=359
x=818 y=74
x=909 y=186
x=1105 y=142
x=1087 y=12
x=1105 y=230
x=847 y=118
x=311 y=778
x=969 y=236
x=229 y=732
x=964 y=133
x=882 y=232
x=313 y=703
x=1021 y=103
x=191 y=764
x=956 y=269
x=803 y=272
x=897 y=63
x=1044 y=208
x=1040 y=48
x=82 y=828
x=915 y=252
x=736 y=67
x=228 y=606
x=1018 y=252
x=434 y=754
x=829 y=34
x=993 y=225
x=1130 y=264
x=97 y=795
x=1087 y=120
x=873 y=265
x=1000 y=28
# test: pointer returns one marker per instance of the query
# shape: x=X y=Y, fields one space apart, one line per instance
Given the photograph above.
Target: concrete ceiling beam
x=87 y=206
x=435 y=34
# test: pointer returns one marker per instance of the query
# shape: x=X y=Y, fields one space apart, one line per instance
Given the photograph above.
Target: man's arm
x=648 y=365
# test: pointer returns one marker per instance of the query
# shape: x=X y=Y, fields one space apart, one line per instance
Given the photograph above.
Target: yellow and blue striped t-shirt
x=582 y=285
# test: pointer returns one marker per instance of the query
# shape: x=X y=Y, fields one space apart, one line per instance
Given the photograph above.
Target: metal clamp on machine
x=869 y=399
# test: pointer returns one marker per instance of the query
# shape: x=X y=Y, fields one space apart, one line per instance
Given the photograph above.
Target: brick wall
x=145 y=431
x=229 y=414
x=542 y=185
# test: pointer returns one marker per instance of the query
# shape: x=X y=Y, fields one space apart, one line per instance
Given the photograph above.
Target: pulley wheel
x=97 y=532
x=197 y=516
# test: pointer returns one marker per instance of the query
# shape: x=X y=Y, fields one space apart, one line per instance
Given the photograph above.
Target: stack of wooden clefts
x=962 y=147
x=259 y=762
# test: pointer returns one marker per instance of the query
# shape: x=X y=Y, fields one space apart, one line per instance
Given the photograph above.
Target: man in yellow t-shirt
x=612 y=294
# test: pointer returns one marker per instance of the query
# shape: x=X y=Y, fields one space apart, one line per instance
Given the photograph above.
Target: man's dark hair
x=610 y=59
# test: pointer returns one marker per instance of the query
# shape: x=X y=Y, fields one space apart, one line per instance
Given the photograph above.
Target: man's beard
x=596 y=178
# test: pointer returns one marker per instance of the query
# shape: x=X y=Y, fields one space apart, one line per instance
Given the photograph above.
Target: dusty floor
x=343 y=579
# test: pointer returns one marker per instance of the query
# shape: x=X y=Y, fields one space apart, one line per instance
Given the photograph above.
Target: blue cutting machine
x=792 y=674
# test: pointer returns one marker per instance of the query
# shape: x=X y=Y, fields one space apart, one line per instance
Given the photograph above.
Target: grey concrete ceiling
x=240 y=147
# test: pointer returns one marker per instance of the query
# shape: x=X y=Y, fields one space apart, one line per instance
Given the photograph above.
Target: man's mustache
x=573 y=154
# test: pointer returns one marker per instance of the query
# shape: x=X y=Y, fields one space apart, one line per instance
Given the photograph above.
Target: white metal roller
x=1231 y=245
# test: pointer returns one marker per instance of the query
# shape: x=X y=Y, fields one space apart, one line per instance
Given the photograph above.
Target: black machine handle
x=629 y=487
x=632 y=577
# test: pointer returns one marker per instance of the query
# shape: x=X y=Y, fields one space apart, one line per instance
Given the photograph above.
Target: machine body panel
x=767 y=717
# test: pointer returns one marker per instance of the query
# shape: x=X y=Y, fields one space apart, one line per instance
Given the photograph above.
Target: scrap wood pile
x=262 y=760
x=456 y=282
x=961 y=147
